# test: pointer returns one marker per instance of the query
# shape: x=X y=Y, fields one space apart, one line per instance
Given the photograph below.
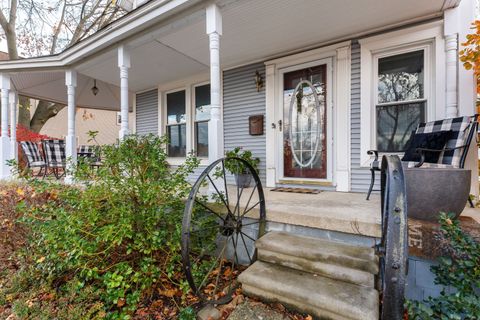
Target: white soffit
x=151 y=64
x=255 y=30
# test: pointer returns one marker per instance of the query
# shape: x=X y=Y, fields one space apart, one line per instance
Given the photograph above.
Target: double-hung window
x=401 y=98
x=187 y=116
x=176 y=124
x=202 y=116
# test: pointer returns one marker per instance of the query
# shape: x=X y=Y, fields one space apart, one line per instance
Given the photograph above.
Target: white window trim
x=428 y=37
x=187 y=84
x=175 y=160
x=339 y=107
x=193 y=137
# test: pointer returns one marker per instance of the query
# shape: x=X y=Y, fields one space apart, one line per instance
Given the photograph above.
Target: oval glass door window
x=304 y=123
x=305 y=129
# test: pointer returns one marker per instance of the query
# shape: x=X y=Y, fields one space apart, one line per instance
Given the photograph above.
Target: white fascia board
x=119 y=31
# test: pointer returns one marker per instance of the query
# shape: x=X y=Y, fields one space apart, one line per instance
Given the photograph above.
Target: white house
x=198 y=70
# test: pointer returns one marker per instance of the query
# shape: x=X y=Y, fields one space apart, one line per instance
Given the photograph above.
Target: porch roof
x=167 y=41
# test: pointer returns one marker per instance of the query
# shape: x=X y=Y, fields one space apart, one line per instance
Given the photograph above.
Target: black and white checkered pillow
x=460 y=128
x=32 y=153
x=55 y=153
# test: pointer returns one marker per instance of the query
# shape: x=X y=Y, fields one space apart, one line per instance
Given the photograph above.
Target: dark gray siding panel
x=147 y=112
x=241 y=100
x=360 y=179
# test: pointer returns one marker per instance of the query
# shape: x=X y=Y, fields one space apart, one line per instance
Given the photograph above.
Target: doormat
x=297 y=190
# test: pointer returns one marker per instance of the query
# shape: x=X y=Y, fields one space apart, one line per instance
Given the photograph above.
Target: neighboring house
x=105 y=122
x=366 y=72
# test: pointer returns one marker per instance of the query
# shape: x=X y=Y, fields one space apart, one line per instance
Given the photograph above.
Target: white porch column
x=71 y=142
x=124 y=65
x=451 y=48
x=342 y=120
x=215 y=125
x=13 y=125
x=451 y=62
x=5 y=155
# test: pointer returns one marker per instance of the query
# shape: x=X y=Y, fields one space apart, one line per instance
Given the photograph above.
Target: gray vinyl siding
x=146 y=115
x=241 y=100
x=360 y=179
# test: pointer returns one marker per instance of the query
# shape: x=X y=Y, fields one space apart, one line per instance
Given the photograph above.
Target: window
x=202 y=115
x=186 y=113
x=400 y=99
x=176 y=124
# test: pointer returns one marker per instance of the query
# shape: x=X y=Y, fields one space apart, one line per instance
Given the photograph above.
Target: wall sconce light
x=258 y=81
x=94 y=88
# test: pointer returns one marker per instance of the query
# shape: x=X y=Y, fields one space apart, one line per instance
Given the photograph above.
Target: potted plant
x=243 y=177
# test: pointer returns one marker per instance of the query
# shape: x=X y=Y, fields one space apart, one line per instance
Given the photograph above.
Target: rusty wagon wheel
x=393 y=248
x=224 y=215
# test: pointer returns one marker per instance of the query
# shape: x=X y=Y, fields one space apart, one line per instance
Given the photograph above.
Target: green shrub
x=460 y=269
x=121 y=232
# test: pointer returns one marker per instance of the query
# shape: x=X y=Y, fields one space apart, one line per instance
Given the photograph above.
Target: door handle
x=280 y=123
x=274 y=125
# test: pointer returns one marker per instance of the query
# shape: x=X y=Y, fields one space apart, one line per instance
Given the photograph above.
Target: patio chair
x=55 y=156
x=89 y=154
x=34 y=157
x=453 y=140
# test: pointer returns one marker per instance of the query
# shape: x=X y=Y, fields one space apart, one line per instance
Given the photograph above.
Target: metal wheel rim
x=187 y=223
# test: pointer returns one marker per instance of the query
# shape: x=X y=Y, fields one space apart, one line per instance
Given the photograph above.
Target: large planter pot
x=434 y=190
x=243 y=180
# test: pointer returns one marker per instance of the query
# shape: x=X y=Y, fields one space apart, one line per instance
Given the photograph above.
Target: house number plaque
x=255 y=124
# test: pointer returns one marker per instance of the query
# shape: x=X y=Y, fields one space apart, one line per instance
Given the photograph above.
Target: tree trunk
x=45 y=110
x=24 y=111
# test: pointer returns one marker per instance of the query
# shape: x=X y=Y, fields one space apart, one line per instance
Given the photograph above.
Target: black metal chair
x=55 y=156
x=34 y=157
x=452 y=155
x=89 y=154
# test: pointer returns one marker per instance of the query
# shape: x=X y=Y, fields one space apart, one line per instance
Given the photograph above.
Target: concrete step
x=321 y=297
x=348 y=263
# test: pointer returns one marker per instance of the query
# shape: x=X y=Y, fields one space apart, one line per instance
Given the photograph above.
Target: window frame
x=189 y=87
x=165 y=119
x=428 y=34
x=194 y=121
x=427 y=85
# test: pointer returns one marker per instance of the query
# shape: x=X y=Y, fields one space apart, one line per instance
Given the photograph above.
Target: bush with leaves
x=458 y=268
x=121 y=232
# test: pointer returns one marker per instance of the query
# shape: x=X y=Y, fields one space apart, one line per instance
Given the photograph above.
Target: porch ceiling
x=50 y=86
x=252 y=31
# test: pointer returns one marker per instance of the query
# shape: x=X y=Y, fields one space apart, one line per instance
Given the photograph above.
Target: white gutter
x=134 y=22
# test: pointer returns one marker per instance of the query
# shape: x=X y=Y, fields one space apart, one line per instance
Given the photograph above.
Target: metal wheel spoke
x=246 y=248
x=237 y=206
x=247 y=211
x=225 y=182
x=207 y=208
x=252 y=223
x=251 y=194
x=213 y=265
x=246 y=235
x=218 y=192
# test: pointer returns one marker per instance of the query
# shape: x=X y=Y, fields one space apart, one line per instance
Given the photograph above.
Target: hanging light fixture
x=94 y=88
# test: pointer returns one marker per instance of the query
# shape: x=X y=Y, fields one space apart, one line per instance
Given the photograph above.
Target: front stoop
x=323 y=278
